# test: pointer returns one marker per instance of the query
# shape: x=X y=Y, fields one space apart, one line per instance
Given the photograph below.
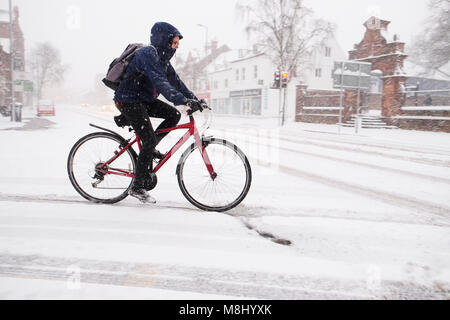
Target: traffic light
x=276 y=80
x=284 y=79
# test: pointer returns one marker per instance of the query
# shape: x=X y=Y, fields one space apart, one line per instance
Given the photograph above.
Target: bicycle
x=101 y=167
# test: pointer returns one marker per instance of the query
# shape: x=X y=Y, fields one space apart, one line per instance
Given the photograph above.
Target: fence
x=427 y=110
x=327 y=106
x=428 y=98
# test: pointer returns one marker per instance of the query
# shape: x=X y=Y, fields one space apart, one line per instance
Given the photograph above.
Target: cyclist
x=149 y=74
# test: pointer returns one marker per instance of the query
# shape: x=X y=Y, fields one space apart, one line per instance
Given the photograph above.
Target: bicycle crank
x=151 y=182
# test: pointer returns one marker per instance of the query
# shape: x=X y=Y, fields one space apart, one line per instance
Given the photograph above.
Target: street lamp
x=206 y=42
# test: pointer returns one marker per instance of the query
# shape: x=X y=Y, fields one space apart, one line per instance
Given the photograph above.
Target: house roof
x=251 y=56
x=414 y=70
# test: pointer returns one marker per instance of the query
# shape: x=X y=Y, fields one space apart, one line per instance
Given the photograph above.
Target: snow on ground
x=366 y=216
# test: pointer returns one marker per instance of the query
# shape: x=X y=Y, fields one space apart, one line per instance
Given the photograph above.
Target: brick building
x=5 y=57
x=387 y=54
x=393 y=91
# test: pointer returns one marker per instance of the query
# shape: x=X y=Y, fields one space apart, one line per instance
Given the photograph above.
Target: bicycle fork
x=202 y=148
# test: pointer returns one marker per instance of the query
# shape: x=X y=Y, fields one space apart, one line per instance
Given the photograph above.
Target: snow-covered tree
x=431 y=48
x=285 y=30
x=46 y=66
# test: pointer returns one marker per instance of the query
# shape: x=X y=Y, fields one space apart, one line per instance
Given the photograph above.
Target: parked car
x=108 y=108
x=45 y=107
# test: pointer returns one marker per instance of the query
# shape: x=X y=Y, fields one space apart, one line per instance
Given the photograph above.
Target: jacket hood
x=161 y=37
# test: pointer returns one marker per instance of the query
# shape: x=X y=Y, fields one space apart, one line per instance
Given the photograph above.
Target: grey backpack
x=117 y=68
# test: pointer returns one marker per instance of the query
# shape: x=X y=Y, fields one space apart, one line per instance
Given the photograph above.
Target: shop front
x=246 y=102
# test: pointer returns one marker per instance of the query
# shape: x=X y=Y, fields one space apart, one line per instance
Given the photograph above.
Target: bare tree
x=46 y=66
x=285 y=30
x=431 y=49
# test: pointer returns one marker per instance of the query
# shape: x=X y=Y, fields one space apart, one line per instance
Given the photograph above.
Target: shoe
x=142 y=195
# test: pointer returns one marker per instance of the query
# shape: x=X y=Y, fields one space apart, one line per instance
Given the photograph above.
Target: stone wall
x=322 y=106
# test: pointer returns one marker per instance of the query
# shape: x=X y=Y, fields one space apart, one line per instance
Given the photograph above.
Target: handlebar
x=191 y=111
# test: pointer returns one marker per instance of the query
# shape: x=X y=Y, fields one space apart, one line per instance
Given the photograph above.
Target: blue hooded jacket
x=157 y=74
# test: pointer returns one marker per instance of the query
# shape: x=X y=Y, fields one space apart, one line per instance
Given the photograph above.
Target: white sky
x=107 y=26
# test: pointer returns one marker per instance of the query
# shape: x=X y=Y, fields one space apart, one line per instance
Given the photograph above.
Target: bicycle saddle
x=121 y=121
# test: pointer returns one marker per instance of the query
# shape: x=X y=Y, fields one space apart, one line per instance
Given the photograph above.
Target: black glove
x=204 y=104
x=195 y=105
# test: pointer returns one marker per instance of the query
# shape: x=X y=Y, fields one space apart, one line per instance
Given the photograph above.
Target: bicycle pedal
x=96 y=183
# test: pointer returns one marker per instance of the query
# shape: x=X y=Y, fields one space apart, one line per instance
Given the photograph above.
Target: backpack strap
x=138 y=74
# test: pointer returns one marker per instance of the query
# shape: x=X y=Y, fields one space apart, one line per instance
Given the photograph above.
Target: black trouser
x=138 y=115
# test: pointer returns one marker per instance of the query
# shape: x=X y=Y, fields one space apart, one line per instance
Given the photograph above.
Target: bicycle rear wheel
x=228 y=189
x=96 y=184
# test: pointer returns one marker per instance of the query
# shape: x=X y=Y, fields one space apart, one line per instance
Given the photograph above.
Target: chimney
x=375 y=23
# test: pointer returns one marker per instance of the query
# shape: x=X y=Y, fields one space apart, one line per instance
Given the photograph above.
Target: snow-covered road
x=328 y=216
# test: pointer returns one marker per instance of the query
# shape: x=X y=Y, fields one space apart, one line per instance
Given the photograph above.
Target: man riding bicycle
x=149 y=74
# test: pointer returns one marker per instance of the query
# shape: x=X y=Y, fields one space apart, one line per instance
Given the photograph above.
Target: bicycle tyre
x=86 y=192
x=207 y=143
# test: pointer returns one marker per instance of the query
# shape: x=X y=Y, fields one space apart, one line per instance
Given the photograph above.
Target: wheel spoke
x=94 y=150
x=227 y=189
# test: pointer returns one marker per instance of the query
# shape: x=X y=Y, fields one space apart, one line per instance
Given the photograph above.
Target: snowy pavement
x=328 y=216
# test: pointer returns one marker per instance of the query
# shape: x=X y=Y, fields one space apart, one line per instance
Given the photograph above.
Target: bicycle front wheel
x=89 y=176
x=230 y=186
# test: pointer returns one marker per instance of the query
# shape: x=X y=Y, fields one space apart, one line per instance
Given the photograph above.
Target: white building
x=318 y=74
x=240 y=81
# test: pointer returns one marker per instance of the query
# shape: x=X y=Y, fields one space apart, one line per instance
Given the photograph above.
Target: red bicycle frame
x=192 y=131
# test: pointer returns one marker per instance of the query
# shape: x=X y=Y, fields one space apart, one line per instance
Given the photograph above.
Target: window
x=318 y=73
x=327 y=52
x=255 y=72
x=237 y=74
x=236 y=106
x=243 y=73
x=256 y=106
x=216 y=84
x=226 y=83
